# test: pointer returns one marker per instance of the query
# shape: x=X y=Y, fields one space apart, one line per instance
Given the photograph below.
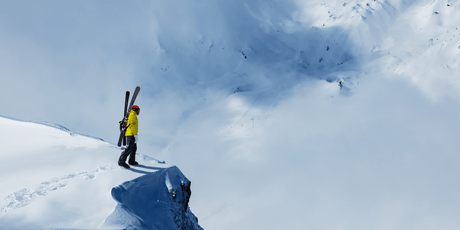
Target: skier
x=340 y=84
x=131 y=136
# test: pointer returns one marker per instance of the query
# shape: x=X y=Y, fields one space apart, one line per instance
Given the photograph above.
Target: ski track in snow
x=25 y=196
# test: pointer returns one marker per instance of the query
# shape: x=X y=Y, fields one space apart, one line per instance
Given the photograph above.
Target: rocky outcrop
x=156 y=201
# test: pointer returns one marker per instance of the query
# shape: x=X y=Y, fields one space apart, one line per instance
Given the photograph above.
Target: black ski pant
x=130 y=151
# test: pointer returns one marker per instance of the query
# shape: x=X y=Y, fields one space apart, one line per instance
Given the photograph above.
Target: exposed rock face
x=157 y=201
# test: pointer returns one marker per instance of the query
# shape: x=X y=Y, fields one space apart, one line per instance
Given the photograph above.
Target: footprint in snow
x=25 y=196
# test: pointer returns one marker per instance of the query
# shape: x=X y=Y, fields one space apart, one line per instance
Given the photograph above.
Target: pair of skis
x=127 y=110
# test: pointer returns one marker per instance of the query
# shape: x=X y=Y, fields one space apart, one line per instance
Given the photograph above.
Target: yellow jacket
x=132 y=124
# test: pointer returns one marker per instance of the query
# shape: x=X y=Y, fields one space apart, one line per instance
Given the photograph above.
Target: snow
x=243 y=97
x=153 y=203
x=55 y=178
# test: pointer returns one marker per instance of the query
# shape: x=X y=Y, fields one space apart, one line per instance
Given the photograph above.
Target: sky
x=243 y=97
x=64 y=61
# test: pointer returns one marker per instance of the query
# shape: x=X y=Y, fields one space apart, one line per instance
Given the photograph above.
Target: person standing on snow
x=131 y=136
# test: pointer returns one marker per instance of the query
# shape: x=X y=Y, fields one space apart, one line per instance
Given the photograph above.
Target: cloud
x=372 y=159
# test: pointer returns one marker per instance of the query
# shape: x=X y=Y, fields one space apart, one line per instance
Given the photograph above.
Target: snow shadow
x=136 y=170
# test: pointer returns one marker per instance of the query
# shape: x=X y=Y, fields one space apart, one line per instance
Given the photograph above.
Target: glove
x=135 y=138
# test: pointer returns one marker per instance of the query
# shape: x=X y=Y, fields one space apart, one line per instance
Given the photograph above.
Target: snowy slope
x=54 y=178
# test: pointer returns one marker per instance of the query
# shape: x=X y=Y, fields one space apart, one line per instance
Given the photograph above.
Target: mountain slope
x=244 y=96
x=55 y=178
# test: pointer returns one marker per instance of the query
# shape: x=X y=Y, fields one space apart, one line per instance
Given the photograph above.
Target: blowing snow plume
x=154 y=201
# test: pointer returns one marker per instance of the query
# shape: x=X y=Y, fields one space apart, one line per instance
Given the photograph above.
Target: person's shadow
x=145 y=167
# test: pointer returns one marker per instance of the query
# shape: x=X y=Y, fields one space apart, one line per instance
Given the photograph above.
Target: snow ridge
x=52 y=125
